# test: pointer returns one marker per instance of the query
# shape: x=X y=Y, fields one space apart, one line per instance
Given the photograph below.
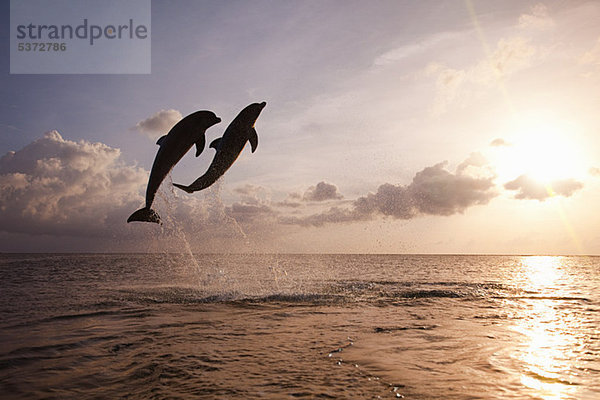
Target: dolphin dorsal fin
x=161 y=140
x=253 y=139
x=200 y=143
x=215 y=143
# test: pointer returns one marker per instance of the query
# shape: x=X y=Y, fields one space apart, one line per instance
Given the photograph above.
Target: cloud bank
x=61 y=187
x=84 y=192
x=433 y=191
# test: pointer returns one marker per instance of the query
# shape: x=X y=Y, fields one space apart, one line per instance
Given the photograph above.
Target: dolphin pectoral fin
x=215 y=143
x=161 y=140
x=200 y=143
x=183 y=187
x=253 y=139
x=145 y=215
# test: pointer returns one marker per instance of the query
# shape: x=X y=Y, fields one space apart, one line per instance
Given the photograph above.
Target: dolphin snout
x=263 y=104
x=218 y=120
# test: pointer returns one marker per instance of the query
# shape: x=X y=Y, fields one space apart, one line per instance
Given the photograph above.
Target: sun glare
x=545 y=355
x=544 y=148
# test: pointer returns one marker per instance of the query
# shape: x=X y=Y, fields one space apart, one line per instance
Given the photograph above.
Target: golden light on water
x=541 y=271
x=545 y=354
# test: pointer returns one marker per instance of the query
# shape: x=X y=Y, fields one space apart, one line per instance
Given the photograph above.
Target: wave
x=555 y=298
x=322 y=293
x=138 y=299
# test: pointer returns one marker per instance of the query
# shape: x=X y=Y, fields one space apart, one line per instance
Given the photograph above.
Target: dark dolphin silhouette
x=229 y=147
x=173 y=147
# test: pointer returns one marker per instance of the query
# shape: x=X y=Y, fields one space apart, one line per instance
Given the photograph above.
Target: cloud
x=398 y=54
x=510 y=56
x=409 y=50
x=61 y=187
x=448 y=83
x=433 y=191
x=529 y=188
x=537 y=19
x=293 y=200
x=454 y=85
x=159 y=123
x=244 y=212
x=249 y=190
x=322 y=192
x=83 y=192
x=289 y=203
x=475 y=159
x=498 y=142
x=253 y=194
x=254 y=203
x=591 y=58
x=333 y=215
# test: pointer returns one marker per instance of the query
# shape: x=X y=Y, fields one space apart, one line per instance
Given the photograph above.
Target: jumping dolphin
x=229 y=146
x=173 y=146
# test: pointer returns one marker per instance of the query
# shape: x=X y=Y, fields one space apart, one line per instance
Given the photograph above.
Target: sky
x=390 y=127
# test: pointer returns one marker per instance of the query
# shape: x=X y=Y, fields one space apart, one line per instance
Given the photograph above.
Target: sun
x=542 y=147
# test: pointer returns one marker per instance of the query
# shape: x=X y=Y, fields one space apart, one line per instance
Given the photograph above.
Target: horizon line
x=307 y=254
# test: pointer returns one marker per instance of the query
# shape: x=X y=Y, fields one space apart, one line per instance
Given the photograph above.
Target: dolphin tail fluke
x=183 y=187
x=201 y=183
x=145 y=215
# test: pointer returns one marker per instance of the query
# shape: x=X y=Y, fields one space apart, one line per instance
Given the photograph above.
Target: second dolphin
x=229 y=146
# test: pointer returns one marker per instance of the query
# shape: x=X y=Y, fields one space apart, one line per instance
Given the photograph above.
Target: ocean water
x=177 y=326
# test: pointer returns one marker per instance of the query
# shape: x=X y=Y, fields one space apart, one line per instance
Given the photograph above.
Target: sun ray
x=488 y=54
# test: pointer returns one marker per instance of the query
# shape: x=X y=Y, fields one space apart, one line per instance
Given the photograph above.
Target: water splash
x=213 y=195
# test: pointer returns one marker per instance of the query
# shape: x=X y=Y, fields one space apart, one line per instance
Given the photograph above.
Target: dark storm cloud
x=529 y=188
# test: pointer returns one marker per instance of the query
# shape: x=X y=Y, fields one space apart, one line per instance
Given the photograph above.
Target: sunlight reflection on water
x=547 y=355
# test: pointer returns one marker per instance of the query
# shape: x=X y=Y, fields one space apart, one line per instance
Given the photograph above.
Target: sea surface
x=182 y=326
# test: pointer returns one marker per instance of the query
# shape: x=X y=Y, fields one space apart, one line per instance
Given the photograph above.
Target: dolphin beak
x=218 y=120
x=263 y=104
